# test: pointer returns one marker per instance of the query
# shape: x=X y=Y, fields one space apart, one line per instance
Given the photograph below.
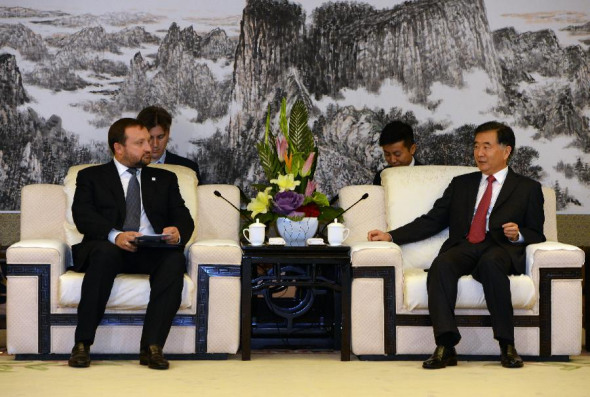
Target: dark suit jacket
x=377 y=179
x=172 y=158
x=99 y=205
x=520 y=201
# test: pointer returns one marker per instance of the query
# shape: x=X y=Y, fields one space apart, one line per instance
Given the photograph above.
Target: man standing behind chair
x=397 y=142
x=492 y=216
x=114 y=203
x=158 y=122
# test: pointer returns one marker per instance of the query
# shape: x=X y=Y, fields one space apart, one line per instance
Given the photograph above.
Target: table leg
x=346 y=323
x=246 y=306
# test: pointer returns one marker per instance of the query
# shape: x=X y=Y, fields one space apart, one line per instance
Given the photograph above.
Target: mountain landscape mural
x=436 y=64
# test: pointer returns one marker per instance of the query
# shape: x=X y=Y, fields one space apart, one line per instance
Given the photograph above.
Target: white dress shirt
x=496 y=187
x=145 y=227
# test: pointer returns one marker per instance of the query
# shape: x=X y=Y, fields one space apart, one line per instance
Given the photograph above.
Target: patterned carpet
x=291 y=374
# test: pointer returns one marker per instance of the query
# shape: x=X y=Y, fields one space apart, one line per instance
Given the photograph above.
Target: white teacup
x=255 y=233
x=337 y=233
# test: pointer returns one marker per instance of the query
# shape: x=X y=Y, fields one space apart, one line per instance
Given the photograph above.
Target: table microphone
x=363 y=197
x=218 y=194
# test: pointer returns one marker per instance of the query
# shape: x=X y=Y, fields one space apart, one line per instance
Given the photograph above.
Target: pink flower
x=310 y=188
x=281 y=148
x=306 y=170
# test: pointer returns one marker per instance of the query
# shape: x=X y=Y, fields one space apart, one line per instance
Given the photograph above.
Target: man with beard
x=114 y=204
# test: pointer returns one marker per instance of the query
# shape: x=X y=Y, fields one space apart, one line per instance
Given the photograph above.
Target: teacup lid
x=336 y=224
x=257 y=224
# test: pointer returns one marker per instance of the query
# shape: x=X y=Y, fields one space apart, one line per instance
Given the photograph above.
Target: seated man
x=114 y=203
x=397 y=142
x=492 y=216
x=158 y=122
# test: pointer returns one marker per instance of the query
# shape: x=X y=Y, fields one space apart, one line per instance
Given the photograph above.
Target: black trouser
x=487 y=263
x=166 y=268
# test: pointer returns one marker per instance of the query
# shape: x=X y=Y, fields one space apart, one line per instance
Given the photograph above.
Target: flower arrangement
x=289 y=161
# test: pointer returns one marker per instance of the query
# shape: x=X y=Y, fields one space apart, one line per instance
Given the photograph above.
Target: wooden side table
x=313 y=260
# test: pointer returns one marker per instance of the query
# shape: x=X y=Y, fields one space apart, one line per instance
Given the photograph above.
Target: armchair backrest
x=43 y=210
x=217 y=219
x=411 y=192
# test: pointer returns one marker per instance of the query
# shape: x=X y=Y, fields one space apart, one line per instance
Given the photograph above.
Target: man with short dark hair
x=492 y=215
x=115 y=203
x=158 y=122
x=397 y=142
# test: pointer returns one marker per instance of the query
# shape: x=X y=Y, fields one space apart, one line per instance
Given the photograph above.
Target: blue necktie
x=133 y=203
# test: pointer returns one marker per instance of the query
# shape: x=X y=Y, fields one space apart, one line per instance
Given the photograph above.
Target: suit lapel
x=147 y=189
x=508 y=187
x=113 y=181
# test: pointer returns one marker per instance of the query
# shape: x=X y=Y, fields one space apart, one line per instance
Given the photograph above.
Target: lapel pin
x=153 y=178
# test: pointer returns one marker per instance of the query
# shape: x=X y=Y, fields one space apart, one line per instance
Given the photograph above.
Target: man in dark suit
x=397 y=142
x=158 y=122
x=492 y=216
x=113 y=204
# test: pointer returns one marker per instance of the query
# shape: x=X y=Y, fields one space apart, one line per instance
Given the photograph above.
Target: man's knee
x=175 y=262
x=105 y=254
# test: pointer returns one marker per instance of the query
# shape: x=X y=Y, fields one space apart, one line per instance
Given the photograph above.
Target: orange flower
x=289 y=161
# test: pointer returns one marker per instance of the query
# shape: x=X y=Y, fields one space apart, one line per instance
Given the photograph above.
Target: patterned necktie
x=133 y=203
x=477 y=231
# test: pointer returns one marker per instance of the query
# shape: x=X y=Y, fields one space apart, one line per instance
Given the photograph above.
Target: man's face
x=158 y=141
x=397 y=154
x=136 y=152
x=489 y=155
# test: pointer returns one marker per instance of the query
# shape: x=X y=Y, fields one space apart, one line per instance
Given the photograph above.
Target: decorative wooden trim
x=47 y=319
x=205 y=273
x=542 y=321
x=389 y=303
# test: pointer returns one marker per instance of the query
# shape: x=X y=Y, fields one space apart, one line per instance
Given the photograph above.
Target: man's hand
x=378 y=235
x=511 y=231
x=173 y=235
x=126 y=241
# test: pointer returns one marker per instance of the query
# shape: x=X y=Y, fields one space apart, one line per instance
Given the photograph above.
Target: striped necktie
x=132 y=203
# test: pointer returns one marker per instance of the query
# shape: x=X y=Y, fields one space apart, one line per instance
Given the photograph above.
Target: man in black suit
x=492 y=216
x=397 y=142
x=158 y=122
x=113 y=204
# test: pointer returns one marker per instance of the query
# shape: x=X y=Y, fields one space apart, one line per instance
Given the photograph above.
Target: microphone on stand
x=363 y=197
x=218 y=194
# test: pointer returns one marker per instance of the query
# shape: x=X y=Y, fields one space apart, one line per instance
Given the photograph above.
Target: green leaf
x=268 y=159
x=301 y=137
x=328 y=214
x=320 y=199
x=283 y=123
x=267 y=127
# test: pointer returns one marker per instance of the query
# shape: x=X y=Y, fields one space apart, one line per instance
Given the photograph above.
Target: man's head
x=493 y=145
x=397 y=142
x=158 y=122
x=129 y=141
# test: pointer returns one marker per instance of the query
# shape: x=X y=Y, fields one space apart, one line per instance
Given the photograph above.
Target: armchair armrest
x=552 y=254
x=56 y=253
x=213 y=252
x=375 y=253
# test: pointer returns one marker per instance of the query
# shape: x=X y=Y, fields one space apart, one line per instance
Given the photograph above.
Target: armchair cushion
x=469 y=294
x=130 y=291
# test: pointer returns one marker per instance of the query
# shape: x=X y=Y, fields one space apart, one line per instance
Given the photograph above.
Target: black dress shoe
x=80 y=357
x=153 y=357
x=442 y=357
x=510 y=358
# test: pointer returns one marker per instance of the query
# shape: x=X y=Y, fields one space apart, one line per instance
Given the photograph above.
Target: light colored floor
x=293 y=374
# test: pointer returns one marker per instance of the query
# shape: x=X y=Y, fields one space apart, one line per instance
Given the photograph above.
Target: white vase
x=296 y=233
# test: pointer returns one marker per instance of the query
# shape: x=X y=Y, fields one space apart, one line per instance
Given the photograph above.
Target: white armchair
x=389 y=297
x=42 y=296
